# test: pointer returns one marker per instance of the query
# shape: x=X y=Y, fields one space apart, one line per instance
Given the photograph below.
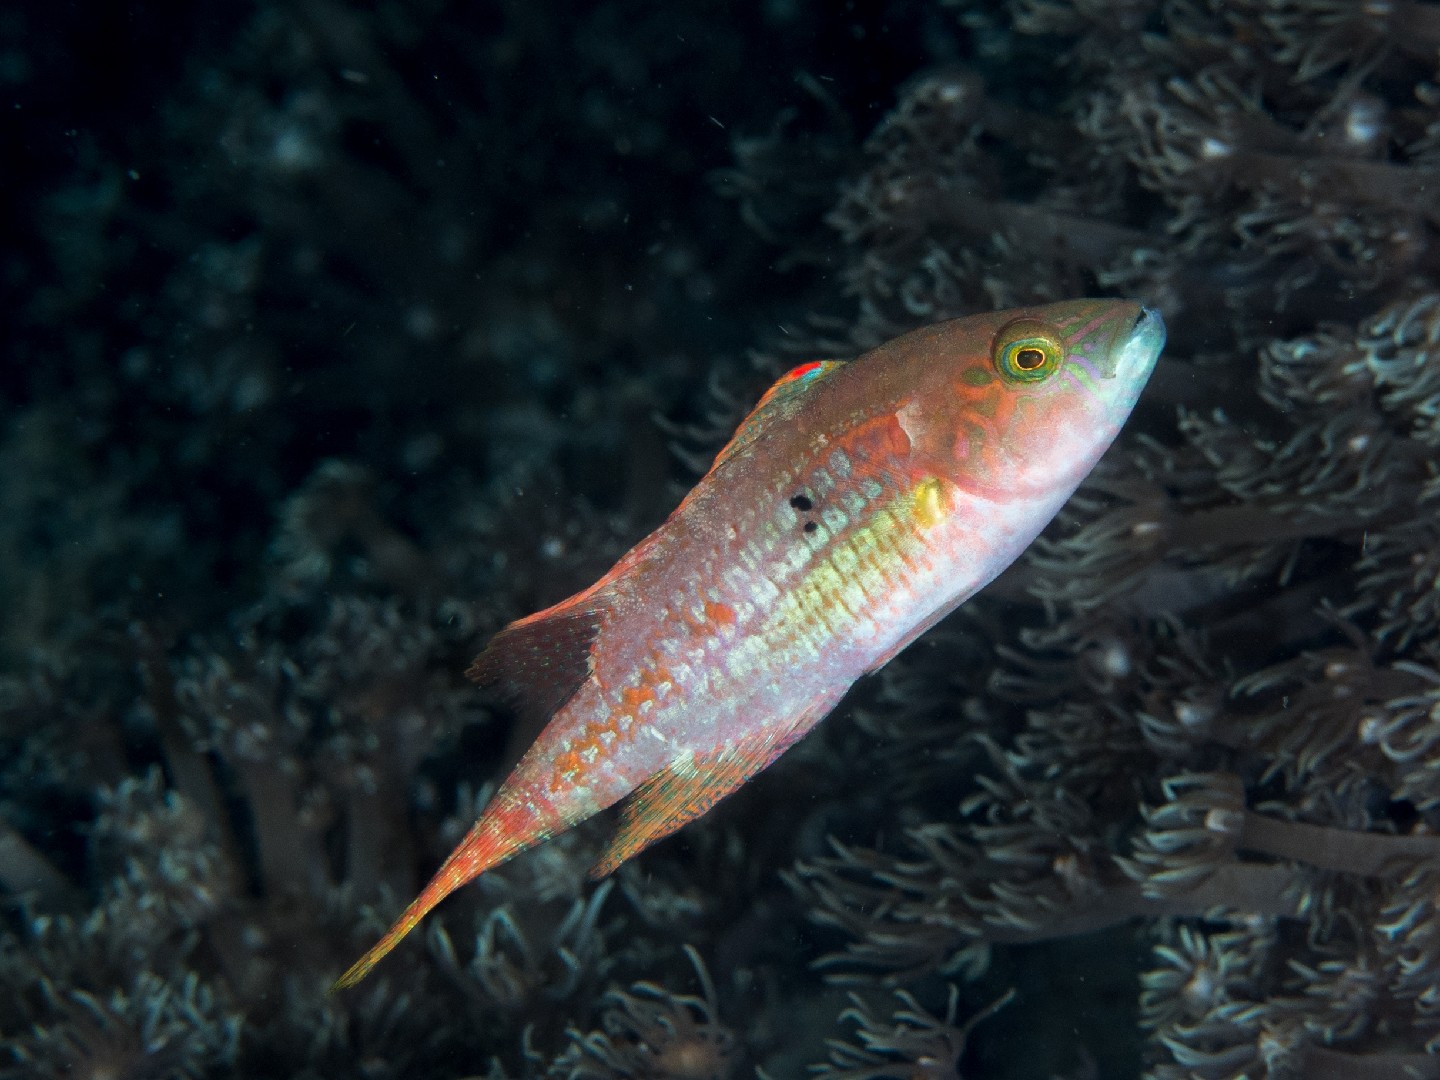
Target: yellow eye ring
x=1027 y=351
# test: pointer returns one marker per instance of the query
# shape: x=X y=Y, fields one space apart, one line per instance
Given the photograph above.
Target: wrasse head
x=1026 y=401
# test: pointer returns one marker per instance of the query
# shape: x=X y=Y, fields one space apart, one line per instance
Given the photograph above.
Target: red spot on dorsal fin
x=781 y=402
x=537 y=663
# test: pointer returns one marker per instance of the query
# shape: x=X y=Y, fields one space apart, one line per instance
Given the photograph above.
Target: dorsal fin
x=537 y=663
x=779 y=404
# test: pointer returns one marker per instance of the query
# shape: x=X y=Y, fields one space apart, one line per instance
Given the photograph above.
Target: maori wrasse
x=855 y=507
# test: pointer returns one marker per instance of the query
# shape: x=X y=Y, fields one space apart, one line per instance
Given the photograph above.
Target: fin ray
x=537 y=664
x=686 y=789
x=673 y=797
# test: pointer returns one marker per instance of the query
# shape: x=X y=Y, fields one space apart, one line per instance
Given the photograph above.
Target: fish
x=855 y=507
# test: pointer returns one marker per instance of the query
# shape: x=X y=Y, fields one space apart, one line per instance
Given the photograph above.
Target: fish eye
x=1026 y=350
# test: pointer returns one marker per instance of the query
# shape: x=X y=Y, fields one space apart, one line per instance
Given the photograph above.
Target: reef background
x=340 y=335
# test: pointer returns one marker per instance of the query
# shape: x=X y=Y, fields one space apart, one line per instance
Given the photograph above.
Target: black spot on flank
x=801 y=502
x=810 y=526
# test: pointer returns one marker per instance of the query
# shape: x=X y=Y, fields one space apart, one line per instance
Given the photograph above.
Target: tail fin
x=499 y=834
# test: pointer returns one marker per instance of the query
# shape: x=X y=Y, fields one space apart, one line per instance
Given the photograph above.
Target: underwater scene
x=387 y=518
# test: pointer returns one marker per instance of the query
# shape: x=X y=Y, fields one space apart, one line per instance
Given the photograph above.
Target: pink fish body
x=858 y=504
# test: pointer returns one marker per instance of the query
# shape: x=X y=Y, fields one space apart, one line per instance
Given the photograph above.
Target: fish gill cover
x=339 y=336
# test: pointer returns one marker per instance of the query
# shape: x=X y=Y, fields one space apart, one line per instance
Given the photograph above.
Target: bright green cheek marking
x=976 y=376
x=1082 y=375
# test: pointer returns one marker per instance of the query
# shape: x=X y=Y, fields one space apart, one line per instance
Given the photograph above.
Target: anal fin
x=675 y=796
x=687 y=788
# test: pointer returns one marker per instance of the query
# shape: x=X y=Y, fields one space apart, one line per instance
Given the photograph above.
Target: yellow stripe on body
x=927 y=503
x=838 y=589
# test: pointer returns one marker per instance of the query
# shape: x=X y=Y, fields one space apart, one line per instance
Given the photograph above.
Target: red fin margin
x=778 y=404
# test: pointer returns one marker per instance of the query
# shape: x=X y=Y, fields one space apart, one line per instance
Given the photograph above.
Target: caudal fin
x=498 y=835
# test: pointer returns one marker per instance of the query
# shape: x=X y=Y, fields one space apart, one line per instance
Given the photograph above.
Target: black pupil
x=1029 y=359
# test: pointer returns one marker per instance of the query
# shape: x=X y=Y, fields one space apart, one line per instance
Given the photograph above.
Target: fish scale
x=856 y=505
x=819 y=592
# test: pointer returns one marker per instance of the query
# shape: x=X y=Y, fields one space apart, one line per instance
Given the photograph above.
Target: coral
x=652 y=1034
x=915 y=1046
x=79 y=1004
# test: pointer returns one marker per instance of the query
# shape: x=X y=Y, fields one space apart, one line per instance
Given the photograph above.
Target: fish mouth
x=1136 y=357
